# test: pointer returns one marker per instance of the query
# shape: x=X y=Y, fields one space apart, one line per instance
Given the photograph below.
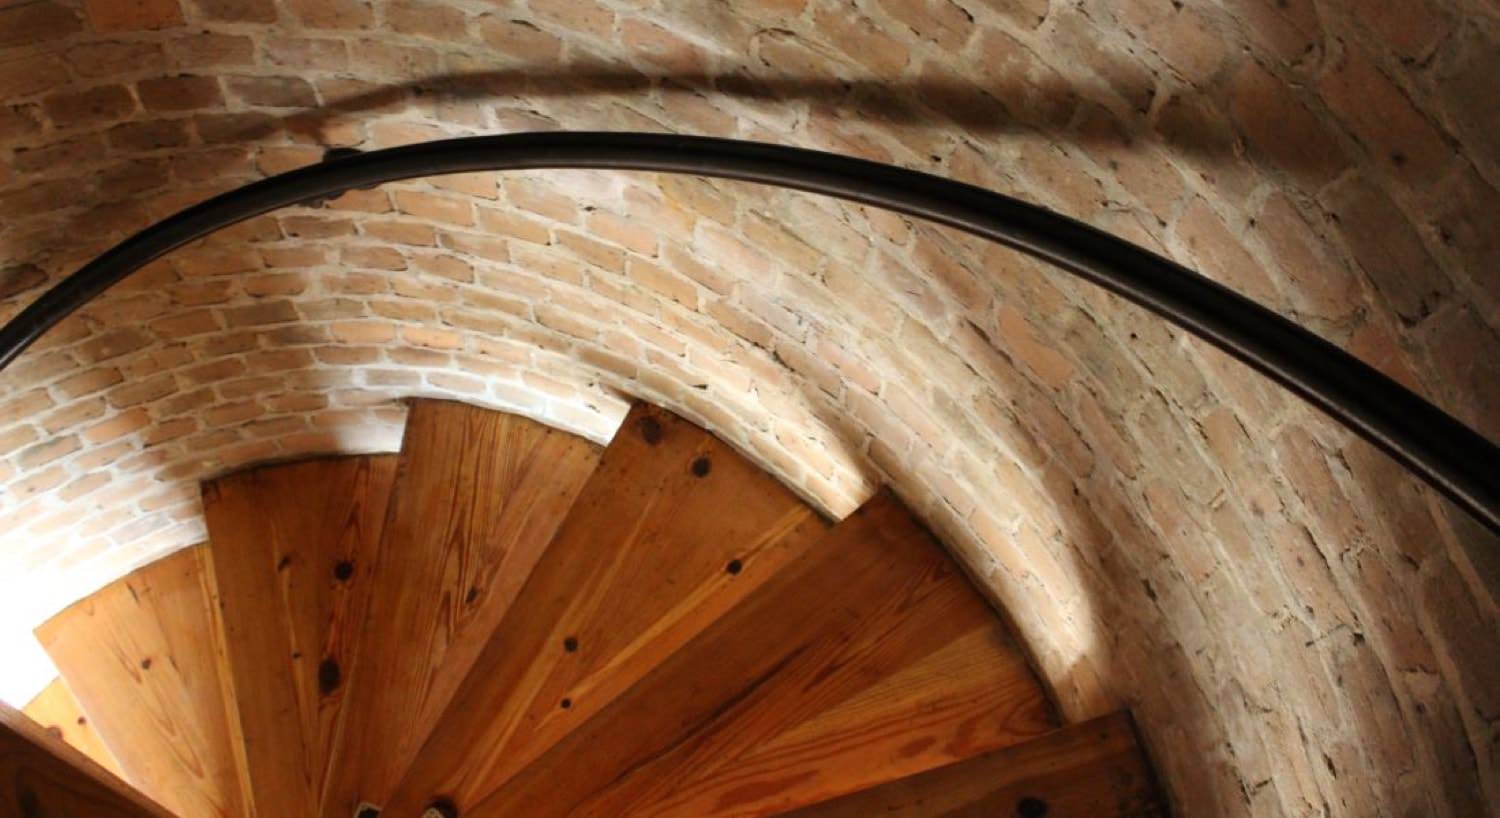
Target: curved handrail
x=1454 y=459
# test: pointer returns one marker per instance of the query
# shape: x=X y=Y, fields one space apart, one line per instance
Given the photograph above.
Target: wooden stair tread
x=41 y=775
x=674 y=528
x=59 y=713
x=878 y=701
x=293 y=547
x=508 y=619
x=478 y=496
x=1093 y=769
x=799 y=744
x=143 y=657
x=871 y=596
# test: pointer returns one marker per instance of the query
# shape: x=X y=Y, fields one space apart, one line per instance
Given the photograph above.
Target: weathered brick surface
x=133 y=15
x=1299 y=627
x=180 y=93
x=22 y=24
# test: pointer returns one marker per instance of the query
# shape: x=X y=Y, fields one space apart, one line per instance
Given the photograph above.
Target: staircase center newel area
x=504 y=619
x=42 y=776
x=145 y=658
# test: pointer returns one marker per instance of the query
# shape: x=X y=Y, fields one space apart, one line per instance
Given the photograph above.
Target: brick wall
x=1299 y=627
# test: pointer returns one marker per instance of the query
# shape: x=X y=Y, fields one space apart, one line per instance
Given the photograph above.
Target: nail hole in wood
x=701 y=467
x=146 y=663
x=343 y=571
x=565 y=704
x=1031 y=808
x=650 y=430
x=329 y=676
x=31 y=806
x=734 y=567
x=571 y=644
x=472 y=595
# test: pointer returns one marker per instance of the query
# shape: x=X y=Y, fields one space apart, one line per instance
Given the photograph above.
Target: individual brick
x=1280 y=127
x=19 y=121
x=149 y=136
x=519 y=38
x=180 y=93
x=208 y=49
x=132 y=15
x=1379 y=113
x=273 y=92
x=436 y=21
x=118 y=426
x=113 y=343
x=332 y=14
x=111 y=59
x=23 y=24
x=585 y=17
x=94 y=107
x=435 y=207
x=1388 y=248
x=236 y=11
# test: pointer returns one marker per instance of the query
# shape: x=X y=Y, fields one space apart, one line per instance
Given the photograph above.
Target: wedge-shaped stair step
x=673 y=530
x=58 y=711
x=478 y=495
x=926 y=675
x=1088 y=770
x=42 y=776
x=293 y=547
x=144 y=658
x=867 y=657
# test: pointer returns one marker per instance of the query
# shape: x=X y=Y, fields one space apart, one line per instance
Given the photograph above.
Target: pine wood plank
x=1089 y=770
x=143 y=656
x=59 y=713
x=972 y=695
x=43 y=776
x=814 y=634
x=478 y=496
x=926 y=676
x=293 y=547
x=671 y=533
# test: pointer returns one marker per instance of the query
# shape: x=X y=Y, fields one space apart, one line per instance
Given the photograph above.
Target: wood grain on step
x=1090 y=770
x=43 y=776
x=478 y=496
x=144 y=657
x=874 y=595
x=671 y=533
x=58 y=711
x=924 y=676
x=925 y=693
x=293 y=547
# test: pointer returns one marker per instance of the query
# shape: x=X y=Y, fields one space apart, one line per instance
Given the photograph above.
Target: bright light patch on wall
x=26 y=669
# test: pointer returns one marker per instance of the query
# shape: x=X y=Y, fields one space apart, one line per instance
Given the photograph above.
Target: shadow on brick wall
x=125 y=198
x=1056 y=108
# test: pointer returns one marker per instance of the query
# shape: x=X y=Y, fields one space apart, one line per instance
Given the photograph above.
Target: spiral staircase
x=506 y=620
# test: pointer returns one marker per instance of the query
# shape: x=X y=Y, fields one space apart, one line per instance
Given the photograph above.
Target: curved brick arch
x=1293 y=621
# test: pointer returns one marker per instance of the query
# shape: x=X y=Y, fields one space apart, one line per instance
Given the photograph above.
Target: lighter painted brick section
x=1298 y=627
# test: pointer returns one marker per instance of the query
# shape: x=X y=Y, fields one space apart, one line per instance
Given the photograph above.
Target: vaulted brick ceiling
x=1297 y=625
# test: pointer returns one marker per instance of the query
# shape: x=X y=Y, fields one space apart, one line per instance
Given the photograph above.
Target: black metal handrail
x=1456 y=460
